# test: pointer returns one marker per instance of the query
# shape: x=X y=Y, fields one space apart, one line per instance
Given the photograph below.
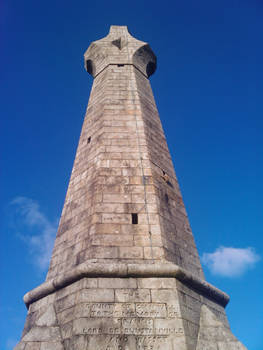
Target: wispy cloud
x=35 y=229
x=230 y=262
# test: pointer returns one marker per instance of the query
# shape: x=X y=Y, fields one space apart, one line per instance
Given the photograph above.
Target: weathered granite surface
x=127 y=313
x=125 y=272
x=123 y=167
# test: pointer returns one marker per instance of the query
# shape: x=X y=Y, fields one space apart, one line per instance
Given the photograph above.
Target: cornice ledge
x=127 y=270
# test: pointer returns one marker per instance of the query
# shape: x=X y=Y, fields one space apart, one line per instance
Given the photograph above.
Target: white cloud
x=37 y=230
x=230 y=262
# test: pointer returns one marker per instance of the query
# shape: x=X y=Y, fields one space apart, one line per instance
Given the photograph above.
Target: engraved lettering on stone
x=112 y=310
x=151 y=342
x=169 y=330
x=150 y=310
x=173 y=311
x=92 y=330
x=112 y=342
x=137 y=326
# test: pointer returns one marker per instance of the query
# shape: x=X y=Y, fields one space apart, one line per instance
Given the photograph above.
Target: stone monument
x=125 y=273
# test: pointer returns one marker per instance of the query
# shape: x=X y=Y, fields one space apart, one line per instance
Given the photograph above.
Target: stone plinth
x=145 y=307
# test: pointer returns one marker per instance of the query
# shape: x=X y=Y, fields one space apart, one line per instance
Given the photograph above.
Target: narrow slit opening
x=165 y=176
x=134 y=218
x=89 y=139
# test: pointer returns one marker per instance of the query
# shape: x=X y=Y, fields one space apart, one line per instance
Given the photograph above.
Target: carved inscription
x=153 y=343
x=123 y=342
x=137 y=326
x=132 y=295
x=129 y=325
x=128 y=310
x=115 y=342
x=150 y=310
x=112 y=310
x=173 y=311
x=133 y=326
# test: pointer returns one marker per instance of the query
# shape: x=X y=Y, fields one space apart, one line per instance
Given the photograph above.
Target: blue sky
x=208 y=88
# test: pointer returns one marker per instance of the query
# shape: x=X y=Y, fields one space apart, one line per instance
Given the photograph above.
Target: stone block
x=95 y=326
x=38 y=334
x=66 y=315
x=77 y=342
x=138 y=326
x=48 y=318
x=135 y=229
x=72 y=288
x=82 y=310
x=156 y=283
x=113 y=240
x=153 y=252
x=51 y=346
x=113 y=342
x=117 y=283
x=167 y=327
x=110 y=228
x=132 y=295
x=95 y=295
x=116 y=198
x=65 y=302
x=33 y=346
x=152 y=310
x=67 y=330
x=130 y=253
x=164 y=296
x=103 y=252
x=155 y=342
x=116 y=218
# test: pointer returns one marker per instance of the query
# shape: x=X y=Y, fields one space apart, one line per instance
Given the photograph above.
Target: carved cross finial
x=119 y=47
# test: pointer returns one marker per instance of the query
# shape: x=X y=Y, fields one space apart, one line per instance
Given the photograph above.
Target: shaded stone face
x=125 y=273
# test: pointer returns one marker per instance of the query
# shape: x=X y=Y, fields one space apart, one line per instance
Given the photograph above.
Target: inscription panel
x=112 y=310
x=132 y=319
x=116 y=342
x=125 y=310
x=128 y=325
x=150 y=310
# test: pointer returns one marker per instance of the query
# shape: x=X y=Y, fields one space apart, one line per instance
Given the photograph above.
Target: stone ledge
x=125 y=271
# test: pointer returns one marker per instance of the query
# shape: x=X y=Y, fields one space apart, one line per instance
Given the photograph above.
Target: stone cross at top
x=119 y=47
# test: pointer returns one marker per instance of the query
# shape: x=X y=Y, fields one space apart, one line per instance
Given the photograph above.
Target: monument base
x=127 y=307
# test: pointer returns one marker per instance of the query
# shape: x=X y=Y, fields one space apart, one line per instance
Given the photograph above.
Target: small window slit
x=134 y=218
x=165 y=176
x=89 y=139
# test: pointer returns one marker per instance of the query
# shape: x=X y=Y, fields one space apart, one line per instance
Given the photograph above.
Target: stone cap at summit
x=119 y=47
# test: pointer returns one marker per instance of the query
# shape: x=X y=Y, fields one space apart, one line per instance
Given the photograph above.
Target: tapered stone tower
x=125 y=272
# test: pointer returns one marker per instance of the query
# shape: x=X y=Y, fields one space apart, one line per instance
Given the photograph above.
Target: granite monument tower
x=125 y=272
